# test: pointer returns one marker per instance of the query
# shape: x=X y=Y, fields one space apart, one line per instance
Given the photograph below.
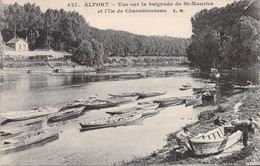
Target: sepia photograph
x=129 y=82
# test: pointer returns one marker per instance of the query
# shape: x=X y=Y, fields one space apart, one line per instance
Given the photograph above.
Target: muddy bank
x=250 y=106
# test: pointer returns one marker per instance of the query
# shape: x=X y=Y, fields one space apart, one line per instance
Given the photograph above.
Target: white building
x=17 y=49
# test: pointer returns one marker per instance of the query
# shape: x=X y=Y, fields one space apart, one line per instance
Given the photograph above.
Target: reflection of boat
x=113 y=121
x=149 y=94
x=214 y=141
x=66 y=114
x=25 y=115
x=170 y=101
x=26 y=141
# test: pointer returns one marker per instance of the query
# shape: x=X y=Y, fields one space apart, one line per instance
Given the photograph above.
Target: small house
x=18 y=44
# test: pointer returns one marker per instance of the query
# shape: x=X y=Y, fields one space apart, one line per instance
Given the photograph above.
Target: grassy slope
x=250 y=107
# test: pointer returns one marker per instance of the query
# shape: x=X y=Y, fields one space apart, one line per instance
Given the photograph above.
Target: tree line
x=226 y=37
x=69 y=31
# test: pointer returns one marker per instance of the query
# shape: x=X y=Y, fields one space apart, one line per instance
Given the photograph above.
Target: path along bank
x=250 y=107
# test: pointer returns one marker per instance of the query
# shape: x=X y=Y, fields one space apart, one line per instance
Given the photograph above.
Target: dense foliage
x=226 y=37
x=120 y=43
x=1 y=40
x=68 y=31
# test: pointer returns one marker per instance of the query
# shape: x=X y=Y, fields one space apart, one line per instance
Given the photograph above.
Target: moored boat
x=113 y=121
x=126 y=94
x=150 y=110
x=193 y=101
x=26 y=141
x=122 y=111
x=184 y=88
x=245 y=87
x=149 y=94
x=173 y=101
x=66 y=114
x=146 y=109
x=214 y=141
x=121 y=100
x=208 y=97
x=25 y=115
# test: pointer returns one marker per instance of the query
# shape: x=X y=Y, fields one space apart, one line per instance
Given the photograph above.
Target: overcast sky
x=170 y=23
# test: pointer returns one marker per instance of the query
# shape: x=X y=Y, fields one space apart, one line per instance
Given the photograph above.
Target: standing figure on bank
x=245 y=127
x=183 y=137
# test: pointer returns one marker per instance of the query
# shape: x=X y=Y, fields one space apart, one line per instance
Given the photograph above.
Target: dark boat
x=184 y=88
x=113 y=121
x=208 y=97
x=66 y=114
x=149 y=94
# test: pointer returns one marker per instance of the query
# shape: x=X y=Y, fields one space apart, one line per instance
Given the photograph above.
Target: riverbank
x=241 y=156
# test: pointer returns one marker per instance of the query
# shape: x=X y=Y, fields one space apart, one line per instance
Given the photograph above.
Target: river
x=96 y=147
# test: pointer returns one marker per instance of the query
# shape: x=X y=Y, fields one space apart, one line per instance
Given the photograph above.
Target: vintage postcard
x=129 y=82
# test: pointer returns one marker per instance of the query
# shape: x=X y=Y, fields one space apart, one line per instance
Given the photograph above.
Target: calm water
x=103 y=146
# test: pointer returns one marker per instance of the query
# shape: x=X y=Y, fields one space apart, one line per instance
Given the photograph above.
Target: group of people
x=246 y=127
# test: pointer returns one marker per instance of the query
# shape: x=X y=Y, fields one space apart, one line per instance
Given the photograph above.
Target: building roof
x=45 y=49
x=15 y=40
x=7 y=48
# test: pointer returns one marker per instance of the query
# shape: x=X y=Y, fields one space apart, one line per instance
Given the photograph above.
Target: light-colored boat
x=214 y=141
x=150 y=110
x=26 y=141
x=25 y=115
x=113 y=121
x=147 y=109
x=245 y=87
x=193 y=101
x=126 y=94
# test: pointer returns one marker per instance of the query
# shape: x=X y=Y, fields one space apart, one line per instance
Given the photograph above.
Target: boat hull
x=169 y=102
x=136 y=119
x=214 y=142
x=37 y=140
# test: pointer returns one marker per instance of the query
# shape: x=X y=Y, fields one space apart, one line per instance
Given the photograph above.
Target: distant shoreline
x=69 y=67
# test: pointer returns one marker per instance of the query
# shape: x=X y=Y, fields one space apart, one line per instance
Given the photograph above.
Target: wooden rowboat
x=170 y=101
x=214 y=141
x=25 y=115
x=113 y=121
x=23 y=142
x=145 y=109
x=149 y=94
x=66 y=114
x=127 y=94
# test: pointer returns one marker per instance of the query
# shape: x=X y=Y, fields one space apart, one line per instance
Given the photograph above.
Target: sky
x=159 y=24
